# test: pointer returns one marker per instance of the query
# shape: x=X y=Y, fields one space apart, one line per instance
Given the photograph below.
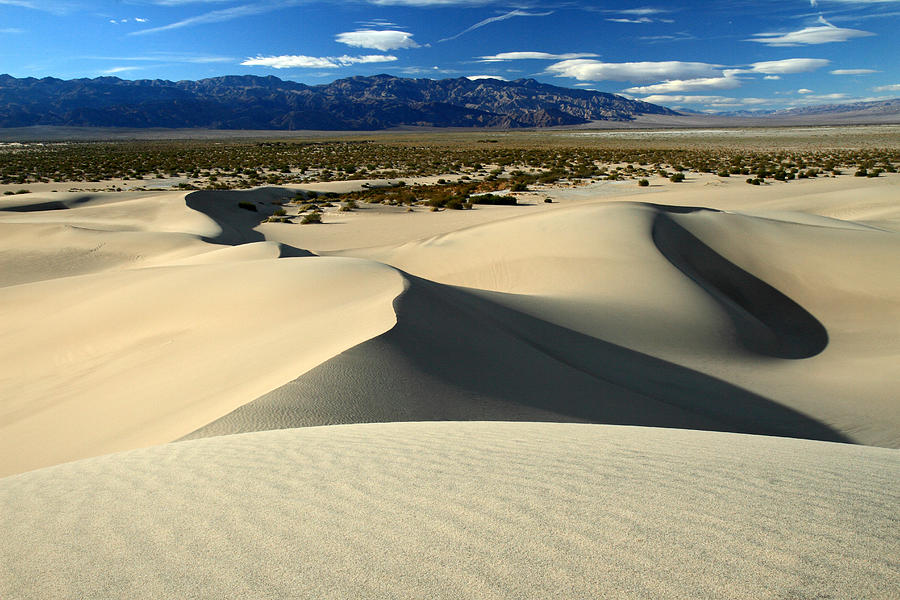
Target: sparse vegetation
x=248 y=206
x=518 y=162
x=311 y=218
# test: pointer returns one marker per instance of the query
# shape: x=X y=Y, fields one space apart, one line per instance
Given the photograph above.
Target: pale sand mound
x=459 y=510
x=122 y=359
x=801 y=313
x=455 y=356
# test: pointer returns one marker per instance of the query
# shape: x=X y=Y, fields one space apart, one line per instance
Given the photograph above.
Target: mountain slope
x=356 y=103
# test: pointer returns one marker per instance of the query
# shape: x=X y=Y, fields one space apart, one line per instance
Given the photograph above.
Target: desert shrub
x=862 y=172
x=494 y=199
x=279 y=212
x=677 y=177
x=247 y=206
x=548 y=200
x=643 y=183
x=311 y=218
x=519 y=186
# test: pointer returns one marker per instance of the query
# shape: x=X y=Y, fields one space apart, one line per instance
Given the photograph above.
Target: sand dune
x=639 y=320
x=459 y=510
x=141 y=318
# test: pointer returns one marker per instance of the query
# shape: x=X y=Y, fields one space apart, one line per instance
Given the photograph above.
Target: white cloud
x=826 y=97
x=641 y=11
x=115 y=70
x=825 y=33
x=488 y=21
x=788 y=65
x=477 y=77
x=288 y=61
x=533 y=56
x=626 y=20
x=772 y=77
x=725 y=82
x=894 y=87
x=594 y=70
x=853 y=71
x=383 y=40
x=141 y=20
x=716 y=101
x=219 y=16
x=11 y=30
x=804 y=91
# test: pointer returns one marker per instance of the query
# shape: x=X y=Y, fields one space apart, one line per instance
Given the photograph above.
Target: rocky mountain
x=356 y=103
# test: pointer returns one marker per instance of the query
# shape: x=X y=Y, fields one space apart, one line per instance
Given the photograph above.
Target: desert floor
x=593 y=397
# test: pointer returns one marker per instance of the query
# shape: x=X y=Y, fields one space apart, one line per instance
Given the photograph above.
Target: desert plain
x=609 y=389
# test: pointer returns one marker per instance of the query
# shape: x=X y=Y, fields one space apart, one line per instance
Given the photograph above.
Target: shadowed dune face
x=458 y=510
x=767 y=321
x=455 y=356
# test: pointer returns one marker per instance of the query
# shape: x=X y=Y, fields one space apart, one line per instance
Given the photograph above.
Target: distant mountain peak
x=353 y=103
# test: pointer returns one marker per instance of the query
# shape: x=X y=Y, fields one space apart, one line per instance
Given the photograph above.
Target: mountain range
x=355 y=103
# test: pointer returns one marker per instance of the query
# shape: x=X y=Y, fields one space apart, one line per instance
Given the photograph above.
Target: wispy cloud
x=511 y=14
x=894 y=87
x=289 y=61
x=527 y=55
x=479 y=77
x=825 y=33
x=50 y=6
x=594 y=70
x=728 y=80
x=627 y=20
x=853 y=71
x=221 y=15
x=378 y=40
x=788 y=65
x=713 y=101
x=116 y=70
x=11 y=30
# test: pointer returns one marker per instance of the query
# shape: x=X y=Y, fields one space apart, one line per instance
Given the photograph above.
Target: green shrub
x=519 y=186
x=311 y=218
x=247 y=206
x=643 y=183
x=279 y=212
x=677 y=177
x=494 y=199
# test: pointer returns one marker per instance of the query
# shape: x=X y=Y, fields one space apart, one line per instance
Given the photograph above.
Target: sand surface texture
x=597 y=364
x=459 y=510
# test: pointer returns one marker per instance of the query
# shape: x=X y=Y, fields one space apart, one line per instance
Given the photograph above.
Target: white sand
x=136 y=318
x=459 y=510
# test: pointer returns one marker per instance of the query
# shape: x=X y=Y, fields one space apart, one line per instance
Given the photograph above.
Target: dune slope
x=459 y=510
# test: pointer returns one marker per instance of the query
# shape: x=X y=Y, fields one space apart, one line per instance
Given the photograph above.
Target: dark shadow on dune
x=237 y=223
x=456 y=356
x=49 y=205
x=767 y=321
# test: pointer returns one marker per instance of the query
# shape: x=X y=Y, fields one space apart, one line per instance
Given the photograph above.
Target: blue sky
x=713 y=56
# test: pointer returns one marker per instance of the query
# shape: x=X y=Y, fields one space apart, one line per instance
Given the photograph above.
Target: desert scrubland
x=566 y=364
